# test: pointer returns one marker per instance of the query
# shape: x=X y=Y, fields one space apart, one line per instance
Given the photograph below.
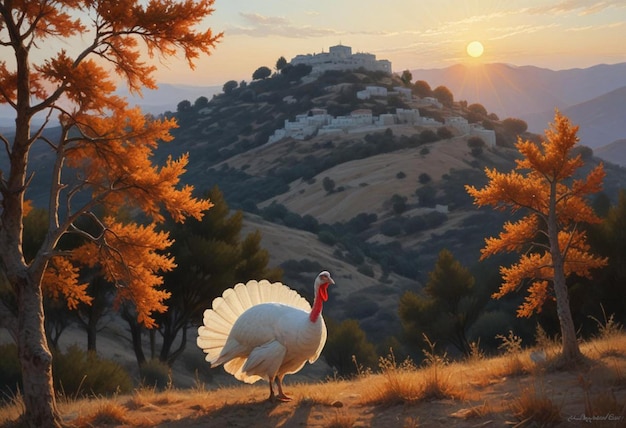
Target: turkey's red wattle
x=322 y=296
x=324 y=291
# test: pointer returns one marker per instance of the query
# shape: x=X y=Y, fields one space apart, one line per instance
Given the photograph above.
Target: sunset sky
x=555 y=34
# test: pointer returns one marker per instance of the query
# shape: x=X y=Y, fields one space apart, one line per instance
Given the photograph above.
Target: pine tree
x=446 y=308
x=210 y=257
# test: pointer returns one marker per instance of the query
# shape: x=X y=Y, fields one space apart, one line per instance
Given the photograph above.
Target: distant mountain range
x=594 y=98
x=165 y=98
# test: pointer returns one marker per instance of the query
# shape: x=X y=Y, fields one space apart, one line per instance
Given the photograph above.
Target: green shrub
x=366 y=270
x=327 y=237
x=346 y=343
x=10 y=373
x=391 y=227
x=77 y=372
x=155 y=373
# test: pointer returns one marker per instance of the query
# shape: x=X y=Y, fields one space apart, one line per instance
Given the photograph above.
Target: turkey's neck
x=317 y=308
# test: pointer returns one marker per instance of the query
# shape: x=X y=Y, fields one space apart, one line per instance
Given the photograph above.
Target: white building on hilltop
x=318 y=122
x=341 y=58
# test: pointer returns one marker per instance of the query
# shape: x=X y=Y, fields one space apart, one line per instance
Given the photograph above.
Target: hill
x=498 y=391
x=598 y=118
x=615 y=152
x=373 y=204
x=592 y=97
x=517 y=91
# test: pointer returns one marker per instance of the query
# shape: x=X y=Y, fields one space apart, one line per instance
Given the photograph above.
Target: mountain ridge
x=533 y=93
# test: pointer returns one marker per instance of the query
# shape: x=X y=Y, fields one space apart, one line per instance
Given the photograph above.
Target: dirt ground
x=592 y=396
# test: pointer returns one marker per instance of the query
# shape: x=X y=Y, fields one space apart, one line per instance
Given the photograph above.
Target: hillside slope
x=397 y=178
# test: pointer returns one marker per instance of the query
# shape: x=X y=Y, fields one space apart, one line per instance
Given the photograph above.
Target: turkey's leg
x=281 y=395
x=272 y=396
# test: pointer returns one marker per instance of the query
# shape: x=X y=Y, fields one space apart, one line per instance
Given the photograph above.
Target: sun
x=475 y=49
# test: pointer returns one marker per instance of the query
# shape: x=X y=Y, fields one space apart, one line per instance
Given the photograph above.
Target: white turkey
x=263 y=330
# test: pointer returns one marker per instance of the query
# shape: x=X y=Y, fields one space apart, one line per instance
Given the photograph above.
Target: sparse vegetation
x=453 y=392
x=79 y=373
x=155 y=374
x=533 y=405
x=259 y=109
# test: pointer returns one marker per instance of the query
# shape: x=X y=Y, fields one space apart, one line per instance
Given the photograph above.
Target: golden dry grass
x=481 y=390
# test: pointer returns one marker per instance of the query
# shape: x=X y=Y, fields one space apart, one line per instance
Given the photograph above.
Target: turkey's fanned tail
x=218 y=321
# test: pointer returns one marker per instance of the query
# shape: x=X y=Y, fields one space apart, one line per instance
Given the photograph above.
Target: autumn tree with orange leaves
x=549 y=237
x=101 y=161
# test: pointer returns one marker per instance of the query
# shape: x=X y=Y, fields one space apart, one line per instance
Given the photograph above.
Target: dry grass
x=437 y=393
x=106 y=413
x=533 y=406
x=405 y=383
x=340 y=419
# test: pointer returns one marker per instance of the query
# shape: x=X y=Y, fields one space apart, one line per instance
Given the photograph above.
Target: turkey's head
x=322 y=282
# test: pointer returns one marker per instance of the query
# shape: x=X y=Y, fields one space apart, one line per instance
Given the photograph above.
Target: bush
x=515 y=126
x=329 y=184
x=327 y=237
x=346 y=343
x=398 y=203
x=477 y=108
x=10 y=372
x=424 y=178
x=427 y=196
x=428 y=136
x=155 y=373
x=414 y=225
x=366 y=270
x=444 y=133
x=475 y=142
x=77 y=372
x=392 y=227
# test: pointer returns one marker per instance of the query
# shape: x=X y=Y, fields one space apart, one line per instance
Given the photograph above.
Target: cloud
x=257 y=25
x=506 y=32
x=582 y=7
x=595 y=27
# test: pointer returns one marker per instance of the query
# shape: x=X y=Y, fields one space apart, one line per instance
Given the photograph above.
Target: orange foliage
x=128 y=255
x=537 y=186
x=108 y=145
x=61 y=279
x=108 y=148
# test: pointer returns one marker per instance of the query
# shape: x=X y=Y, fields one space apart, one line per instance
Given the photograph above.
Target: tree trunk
x=40 y=408
x=167 y=355
x=135 y=332
x=571 y=351
x=92 y=332
x=35 y=359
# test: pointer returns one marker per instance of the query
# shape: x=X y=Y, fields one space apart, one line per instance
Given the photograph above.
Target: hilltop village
x=340 y=57
x=318 y=122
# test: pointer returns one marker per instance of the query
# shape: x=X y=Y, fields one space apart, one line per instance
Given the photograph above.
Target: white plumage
x=263 y=330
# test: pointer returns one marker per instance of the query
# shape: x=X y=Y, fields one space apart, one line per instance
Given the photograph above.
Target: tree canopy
x=261 y=73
